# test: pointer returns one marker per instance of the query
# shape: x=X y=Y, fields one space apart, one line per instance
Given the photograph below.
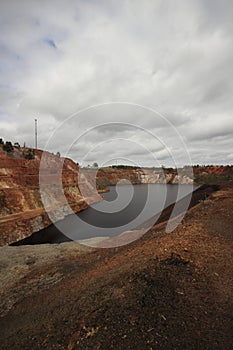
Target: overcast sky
x=168 y=63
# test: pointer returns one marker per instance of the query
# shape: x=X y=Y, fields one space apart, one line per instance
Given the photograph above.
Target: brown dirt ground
x=164 y=291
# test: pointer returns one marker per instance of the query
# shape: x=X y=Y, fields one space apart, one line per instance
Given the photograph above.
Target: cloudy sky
x=141 y=82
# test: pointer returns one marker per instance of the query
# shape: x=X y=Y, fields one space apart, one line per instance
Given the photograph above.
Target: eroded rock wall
x=110 y=176
x=22 y=211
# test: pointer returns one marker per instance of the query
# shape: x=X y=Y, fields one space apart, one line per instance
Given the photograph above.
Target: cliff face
x=21 y=209
x=110 y=176
x=186 y=175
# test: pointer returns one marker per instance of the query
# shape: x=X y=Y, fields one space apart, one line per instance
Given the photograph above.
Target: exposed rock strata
x=21 y=209
x=110 y=176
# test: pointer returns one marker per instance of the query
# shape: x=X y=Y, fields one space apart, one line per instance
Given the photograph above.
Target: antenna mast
x=35 y=133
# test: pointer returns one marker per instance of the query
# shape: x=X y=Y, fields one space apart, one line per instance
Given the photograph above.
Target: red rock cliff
x=21 y=209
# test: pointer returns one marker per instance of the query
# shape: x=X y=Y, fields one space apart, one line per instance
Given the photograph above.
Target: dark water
x=124 y=208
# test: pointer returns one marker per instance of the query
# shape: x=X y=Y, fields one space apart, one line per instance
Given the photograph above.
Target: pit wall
x=21 y=209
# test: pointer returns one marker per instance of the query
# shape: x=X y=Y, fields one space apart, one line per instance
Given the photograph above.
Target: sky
x=136 y=82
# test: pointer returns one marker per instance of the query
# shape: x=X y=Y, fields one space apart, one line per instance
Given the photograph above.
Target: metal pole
x=35 y=133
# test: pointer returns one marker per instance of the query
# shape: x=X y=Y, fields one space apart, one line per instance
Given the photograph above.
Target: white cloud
x=58 y=57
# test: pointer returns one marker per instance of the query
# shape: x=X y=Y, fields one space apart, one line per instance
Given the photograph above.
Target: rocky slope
x=187 y=175
x=21 y=209
x=111 y=176
x=212 y=173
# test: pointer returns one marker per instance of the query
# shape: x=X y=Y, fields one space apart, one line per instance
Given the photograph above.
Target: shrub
x=8 y=147
x=30 y=154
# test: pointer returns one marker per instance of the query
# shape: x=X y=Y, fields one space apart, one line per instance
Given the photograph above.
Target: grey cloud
x=173 y=57
x=211 y=129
